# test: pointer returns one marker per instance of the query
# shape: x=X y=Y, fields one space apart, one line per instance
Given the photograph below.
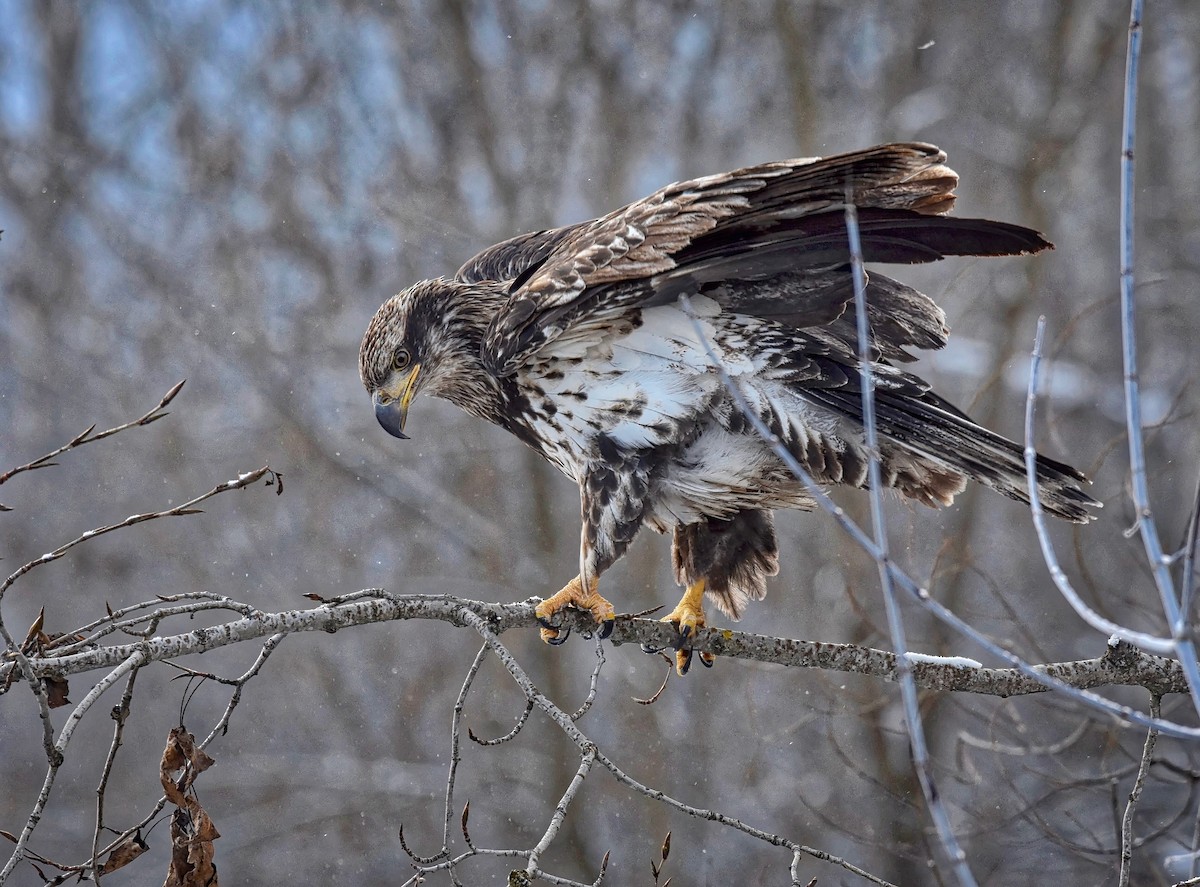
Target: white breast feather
x=663 y=367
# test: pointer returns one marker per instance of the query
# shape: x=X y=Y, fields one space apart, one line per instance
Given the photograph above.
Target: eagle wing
x=767 y=240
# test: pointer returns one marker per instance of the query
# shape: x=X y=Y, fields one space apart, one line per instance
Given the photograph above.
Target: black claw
x=545 y=623
x=684 y=632
x=606 y=628
x=687 y=661
x=707 y=659
x=651 y=649
x=559 y=639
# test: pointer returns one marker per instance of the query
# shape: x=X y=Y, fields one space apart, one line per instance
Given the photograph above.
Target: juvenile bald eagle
x=577 y=341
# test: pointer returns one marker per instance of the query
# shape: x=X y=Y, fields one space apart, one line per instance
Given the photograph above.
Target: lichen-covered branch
x=1120 y=664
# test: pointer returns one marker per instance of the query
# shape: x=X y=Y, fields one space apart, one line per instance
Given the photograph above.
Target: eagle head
x=428 y=339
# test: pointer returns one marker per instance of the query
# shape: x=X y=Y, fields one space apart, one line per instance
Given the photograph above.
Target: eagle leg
x=573 y=595
x=688 y=618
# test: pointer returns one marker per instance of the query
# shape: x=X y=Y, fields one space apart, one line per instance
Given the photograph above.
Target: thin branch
x=120 y=714
x=510 y=735
x=593 y=682
x=1160 y=564
x=455 y=753
x=1189 y=559
x=560 y=810
x=908 y=687
x=87 y=437
x=1135 y=794
x=1024 y=751
x=653 y=697
x=87 y=636
x=1162 y=646
x=222 y=725
x=189 y=507
x=1195 y=845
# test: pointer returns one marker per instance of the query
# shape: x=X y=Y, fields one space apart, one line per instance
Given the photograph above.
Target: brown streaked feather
x=752 y=224
x=733 y=556
x=516 y=257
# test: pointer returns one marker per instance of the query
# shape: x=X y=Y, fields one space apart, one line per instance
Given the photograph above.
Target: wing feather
x=780 y=224
x=514 y=258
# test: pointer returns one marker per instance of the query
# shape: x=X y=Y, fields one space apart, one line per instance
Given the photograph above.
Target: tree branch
x=1121 y=663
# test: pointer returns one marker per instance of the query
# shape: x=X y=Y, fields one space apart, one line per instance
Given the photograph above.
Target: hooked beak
x=391 y=411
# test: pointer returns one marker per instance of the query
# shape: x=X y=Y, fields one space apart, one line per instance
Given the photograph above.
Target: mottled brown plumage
x=575 y=339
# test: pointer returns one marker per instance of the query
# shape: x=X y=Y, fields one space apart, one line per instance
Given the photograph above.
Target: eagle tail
x=930 y=450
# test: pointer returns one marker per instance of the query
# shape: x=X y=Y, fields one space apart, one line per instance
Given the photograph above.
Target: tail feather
x=930 y=429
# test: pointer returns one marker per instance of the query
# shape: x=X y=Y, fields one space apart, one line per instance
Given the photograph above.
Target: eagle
x=610 y=346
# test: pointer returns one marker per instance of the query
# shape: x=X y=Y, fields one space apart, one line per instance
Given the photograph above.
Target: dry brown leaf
x=192 y=830
x=182 y=753
x=56 y=691
x=35 y=644
x=192 y=852
x=124 y=853
x=35 y=630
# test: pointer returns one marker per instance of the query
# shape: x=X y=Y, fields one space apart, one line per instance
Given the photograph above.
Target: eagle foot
x=688 y=618
x=573 y=595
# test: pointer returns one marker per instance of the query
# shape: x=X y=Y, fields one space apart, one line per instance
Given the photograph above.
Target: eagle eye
x=401 y=358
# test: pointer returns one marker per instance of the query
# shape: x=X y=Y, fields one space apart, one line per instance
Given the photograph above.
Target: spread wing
x=767 y=240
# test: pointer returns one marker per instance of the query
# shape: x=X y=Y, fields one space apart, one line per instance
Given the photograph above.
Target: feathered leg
x=726 y=559
x=612 y=516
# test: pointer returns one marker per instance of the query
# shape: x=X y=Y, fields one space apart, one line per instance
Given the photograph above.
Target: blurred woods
x=225 y=191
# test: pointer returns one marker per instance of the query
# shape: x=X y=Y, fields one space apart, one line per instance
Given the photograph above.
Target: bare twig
x=653 y=697
x=560 y=810
x=1162 y=646
x=222 y=725
x=908 y=687
x=120 y=714
x=455 y=754
x=1160 y=564
x=87 y=636
x=1188 y=579
x=1135 y=793
x=240 y=482
x=511 y=734
x=593 y=682
x=87 y=437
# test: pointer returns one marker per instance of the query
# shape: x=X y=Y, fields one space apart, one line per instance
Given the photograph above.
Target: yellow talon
x=688 y=617
x=573 y=595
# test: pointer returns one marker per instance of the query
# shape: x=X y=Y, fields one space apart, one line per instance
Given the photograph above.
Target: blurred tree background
x=225 y=191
